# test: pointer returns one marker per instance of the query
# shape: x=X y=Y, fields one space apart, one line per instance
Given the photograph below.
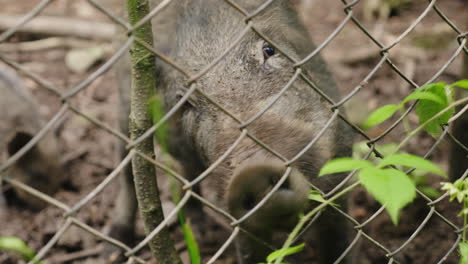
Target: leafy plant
x=419 y=177
x=283 y=252
x=18 y=246
x=463 y=246
x=434 y=109
x=459 y=191
x=389 y=186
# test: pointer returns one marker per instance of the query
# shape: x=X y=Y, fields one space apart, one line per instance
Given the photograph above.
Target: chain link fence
x=70 y=211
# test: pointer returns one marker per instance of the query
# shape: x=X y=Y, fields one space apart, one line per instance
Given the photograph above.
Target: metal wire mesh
x=70 y=211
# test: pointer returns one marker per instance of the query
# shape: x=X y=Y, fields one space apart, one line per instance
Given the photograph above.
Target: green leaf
x=412 y=161
x=192 y=246
x=387 y=149
x=463 y=212
x=462 y=184
x=463 y=246
x=461 y=84
x=423 y=96
x=316 y=196
x=360 y=149
x=427 y=109
x=448 y=186
x=390 y=187
x=451 y=189
x=343 y=164
x=284 y=252
x=16 y=244
x=430 y=86
x=460 y=196
x=380 y=114
x=419 y=177
x=430 y=192
x=156 y=109
x=459 y=184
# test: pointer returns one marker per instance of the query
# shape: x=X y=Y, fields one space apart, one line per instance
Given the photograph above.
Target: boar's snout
x=38 y=168
x=253 y=180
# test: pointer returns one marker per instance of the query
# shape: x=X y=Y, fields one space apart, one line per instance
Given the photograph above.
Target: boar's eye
x=268 y=51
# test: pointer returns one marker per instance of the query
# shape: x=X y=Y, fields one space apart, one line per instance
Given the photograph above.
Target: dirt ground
x=90 y=152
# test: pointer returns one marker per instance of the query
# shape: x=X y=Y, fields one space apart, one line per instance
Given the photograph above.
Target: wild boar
x=244 y=82
x=19 y=122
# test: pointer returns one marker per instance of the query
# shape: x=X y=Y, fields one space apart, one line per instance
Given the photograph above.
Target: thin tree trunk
x=143 y=88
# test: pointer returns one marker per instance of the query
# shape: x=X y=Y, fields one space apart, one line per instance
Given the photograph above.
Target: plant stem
x=309 y=215
x=465 y=220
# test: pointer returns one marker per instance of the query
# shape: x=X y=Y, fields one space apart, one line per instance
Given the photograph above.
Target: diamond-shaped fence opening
x=72 y=56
